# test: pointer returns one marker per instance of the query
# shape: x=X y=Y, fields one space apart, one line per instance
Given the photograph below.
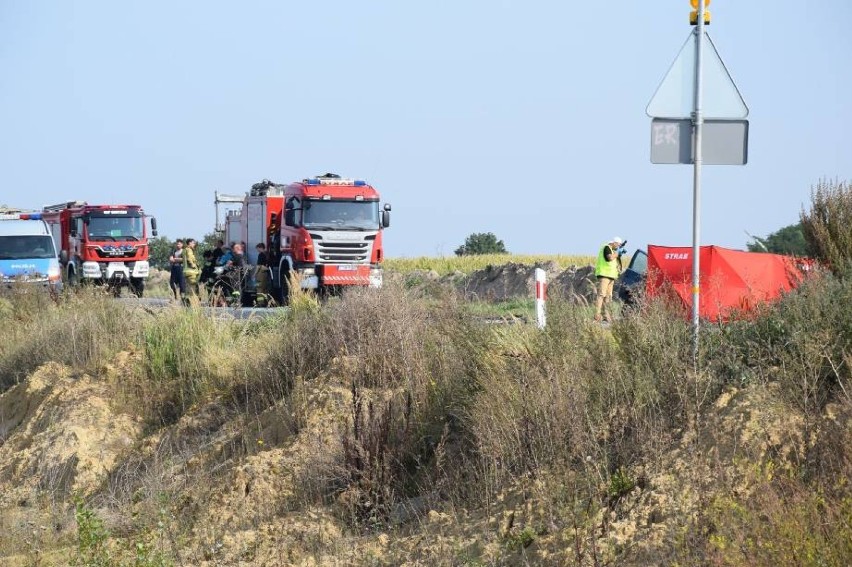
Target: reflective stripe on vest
x=604 y=268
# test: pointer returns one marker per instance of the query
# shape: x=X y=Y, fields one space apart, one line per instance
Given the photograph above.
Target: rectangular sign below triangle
x=723 y=142
x=675 y=97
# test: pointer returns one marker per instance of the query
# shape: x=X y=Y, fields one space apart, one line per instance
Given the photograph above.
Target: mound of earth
x=240 y=480
x=59 y=434
x=514 y=281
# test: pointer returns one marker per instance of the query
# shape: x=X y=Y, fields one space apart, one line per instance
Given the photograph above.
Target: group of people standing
x=186 y=274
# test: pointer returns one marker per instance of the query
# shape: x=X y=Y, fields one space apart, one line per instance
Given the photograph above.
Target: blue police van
x=27 y=253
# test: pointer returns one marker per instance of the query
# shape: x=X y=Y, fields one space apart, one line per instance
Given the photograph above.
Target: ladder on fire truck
x=63 y=206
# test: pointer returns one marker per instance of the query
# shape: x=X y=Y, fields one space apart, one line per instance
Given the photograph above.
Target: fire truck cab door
x=76 y=235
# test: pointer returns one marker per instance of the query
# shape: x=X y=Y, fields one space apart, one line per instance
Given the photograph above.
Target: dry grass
x=440 y=410
x=76 y=329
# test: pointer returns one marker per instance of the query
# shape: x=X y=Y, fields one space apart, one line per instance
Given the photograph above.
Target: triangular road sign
x=675 y=97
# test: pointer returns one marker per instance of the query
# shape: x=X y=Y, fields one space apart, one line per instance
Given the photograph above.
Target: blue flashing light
x=313 y=181
x=360 y=183
x=35 y=216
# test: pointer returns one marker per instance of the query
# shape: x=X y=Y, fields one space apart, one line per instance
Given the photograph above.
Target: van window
x=26 y=247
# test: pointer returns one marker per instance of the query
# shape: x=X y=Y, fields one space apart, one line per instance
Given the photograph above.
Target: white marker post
x=540 y=297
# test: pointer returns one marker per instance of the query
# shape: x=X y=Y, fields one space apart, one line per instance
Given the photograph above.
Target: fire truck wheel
x=73 y=279
x=137 y=286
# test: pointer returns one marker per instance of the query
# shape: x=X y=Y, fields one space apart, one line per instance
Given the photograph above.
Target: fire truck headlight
x=91 y=270
x=376 y=277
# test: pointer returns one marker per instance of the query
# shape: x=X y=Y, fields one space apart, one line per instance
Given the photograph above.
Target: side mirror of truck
x=290 y=217
x=387 y=207
x=385 y=218
x=153 y=226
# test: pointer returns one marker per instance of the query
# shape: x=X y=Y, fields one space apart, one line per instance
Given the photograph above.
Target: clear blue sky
x=526 y=119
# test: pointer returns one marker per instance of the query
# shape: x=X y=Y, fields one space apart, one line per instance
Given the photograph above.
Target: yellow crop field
x=467 y=264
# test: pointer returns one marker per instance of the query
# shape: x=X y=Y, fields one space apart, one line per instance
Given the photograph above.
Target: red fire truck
x=330 y=237
x=103 y=244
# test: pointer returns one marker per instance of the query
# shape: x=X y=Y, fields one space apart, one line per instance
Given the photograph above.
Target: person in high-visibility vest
x=607 y=269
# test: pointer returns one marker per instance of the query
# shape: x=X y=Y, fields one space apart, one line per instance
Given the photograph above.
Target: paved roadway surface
x=154 y=304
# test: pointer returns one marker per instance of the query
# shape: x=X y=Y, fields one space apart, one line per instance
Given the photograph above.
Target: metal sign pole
x=698 y=121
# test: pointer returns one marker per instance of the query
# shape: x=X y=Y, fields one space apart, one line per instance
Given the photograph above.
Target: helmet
x=617 y=240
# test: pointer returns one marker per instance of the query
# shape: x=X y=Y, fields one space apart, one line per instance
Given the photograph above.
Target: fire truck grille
x=344 y=252
x=114 y=254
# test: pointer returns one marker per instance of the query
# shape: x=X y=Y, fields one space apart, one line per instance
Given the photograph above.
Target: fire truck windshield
x=115 y=227
x=341 y=215
x=26 y=247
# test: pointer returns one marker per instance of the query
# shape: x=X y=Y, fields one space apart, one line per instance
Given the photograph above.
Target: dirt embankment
x=240 y=482
x=59 y=433
x=513 y=281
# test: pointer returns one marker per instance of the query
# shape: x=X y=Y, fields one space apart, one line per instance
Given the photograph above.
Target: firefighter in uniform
x=261 y=274
x=607 y=269
x=191 y=270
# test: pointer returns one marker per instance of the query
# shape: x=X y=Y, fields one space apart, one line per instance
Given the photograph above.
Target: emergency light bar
x=335 y=181
x=21 y=216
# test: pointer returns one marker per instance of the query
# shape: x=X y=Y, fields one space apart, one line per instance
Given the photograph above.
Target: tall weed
x=188 y=356
x=577 y=391
x=410 y=365
x=826 y=225
x=783 y=521
x=77 y=330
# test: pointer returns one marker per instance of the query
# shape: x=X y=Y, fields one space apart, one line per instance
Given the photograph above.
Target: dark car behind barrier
x=631 y=283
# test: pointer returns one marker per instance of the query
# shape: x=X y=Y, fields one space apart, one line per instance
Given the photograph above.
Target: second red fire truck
x=104 y=244
x=326 y=230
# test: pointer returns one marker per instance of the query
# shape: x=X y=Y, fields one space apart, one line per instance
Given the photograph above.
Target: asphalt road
x=153 y=304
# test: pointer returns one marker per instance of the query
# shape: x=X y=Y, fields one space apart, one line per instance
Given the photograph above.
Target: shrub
x=410 y=365
x=481 y=243
x=801 y=342
x=575 y=393
x=76 y=330
x=826 y=225
x=92 y=537
x=782 y=521
x=188 y=356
